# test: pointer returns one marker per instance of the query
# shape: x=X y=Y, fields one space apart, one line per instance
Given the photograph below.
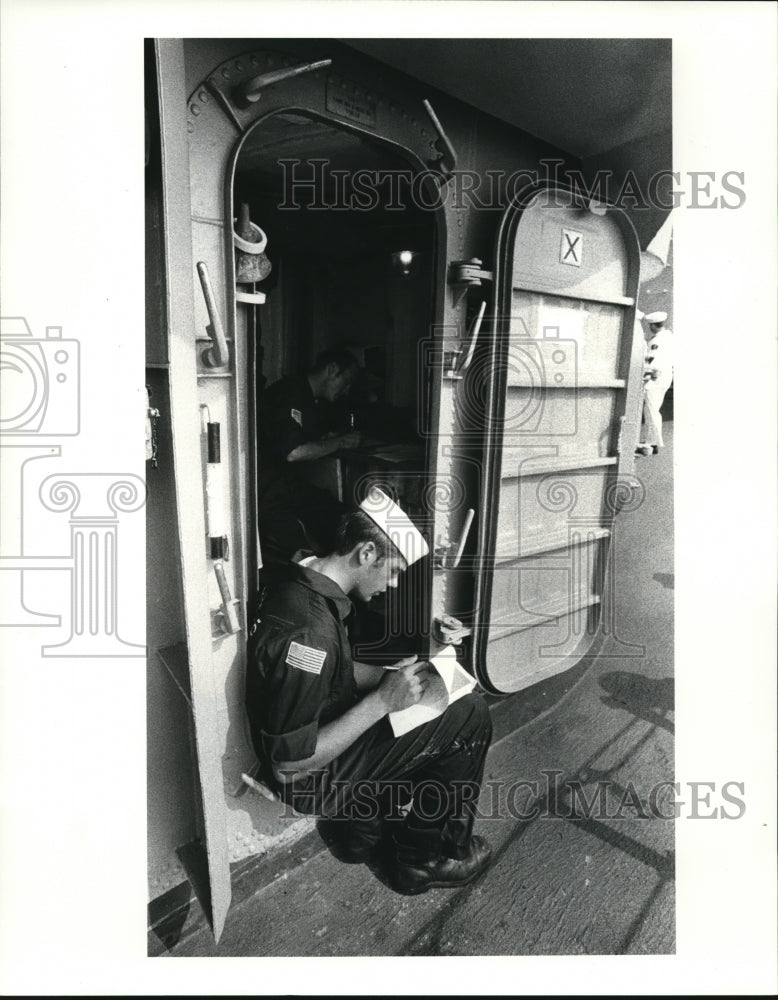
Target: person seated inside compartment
x=297 y=425
x=319 y=720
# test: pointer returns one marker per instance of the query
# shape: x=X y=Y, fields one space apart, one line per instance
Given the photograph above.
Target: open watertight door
x=191 y=664
x=562 y=421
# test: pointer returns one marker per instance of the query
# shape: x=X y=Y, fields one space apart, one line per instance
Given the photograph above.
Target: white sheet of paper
x=448 y=682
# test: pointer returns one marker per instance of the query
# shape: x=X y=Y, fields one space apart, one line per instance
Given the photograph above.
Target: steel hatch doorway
x=354 y=264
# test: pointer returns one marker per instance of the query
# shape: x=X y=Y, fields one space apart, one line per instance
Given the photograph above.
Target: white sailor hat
x=395 y=524
x=656 y=317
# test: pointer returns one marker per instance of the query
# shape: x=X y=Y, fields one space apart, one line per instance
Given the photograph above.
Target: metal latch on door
x=227 y=617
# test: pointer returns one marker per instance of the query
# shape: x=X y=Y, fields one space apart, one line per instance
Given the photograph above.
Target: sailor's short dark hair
x=340 y=356
x=357 y=527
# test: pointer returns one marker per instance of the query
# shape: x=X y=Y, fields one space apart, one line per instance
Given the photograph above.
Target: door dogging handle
x=473 y=338
x=229 y=616
x=218 y=355
x=447 y=160
x=459 y=548
x=449 y=556
x=251 y=91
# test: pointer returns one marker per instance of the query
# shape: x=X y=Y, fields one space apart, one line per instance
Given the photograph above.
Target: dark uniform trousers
x=300 y=676
x=436 y=769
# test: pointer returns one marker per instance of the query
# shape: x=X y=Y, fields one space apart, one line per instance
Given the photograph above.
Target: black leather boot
x=352 y=842
x=413 y=877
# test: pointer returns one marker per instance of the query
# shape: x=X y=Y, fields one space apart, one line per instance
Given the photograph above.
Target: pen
x=402 y=666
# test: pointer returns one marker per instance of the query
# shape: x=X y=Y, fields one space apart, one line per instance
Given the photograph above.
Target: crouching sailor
x=319 y=719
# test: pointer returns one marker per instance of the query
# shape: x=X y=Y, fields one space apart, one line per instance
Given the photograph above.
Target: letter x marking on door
x=572 y=248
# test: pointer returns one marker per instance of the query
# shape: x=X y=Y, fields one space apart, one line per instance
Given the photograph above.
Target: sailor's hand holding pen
x=404 y=684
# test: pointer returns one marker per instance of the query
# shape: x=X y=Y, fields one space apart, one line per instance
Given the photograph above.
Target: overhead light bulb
x=402 y=260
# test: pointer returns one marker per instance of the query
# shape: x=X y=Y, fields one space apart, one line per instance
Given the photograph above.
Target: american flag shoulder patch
x=306 y=657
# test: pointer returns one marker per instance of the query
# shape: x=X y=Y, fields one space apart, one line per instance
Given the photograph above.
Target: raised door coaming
x=561 y=424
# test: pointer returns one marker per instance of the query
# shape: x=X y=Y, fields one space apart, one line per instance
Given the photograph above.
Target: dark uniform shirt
x=300 y=673
x=293 y=514
x=289 y=417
